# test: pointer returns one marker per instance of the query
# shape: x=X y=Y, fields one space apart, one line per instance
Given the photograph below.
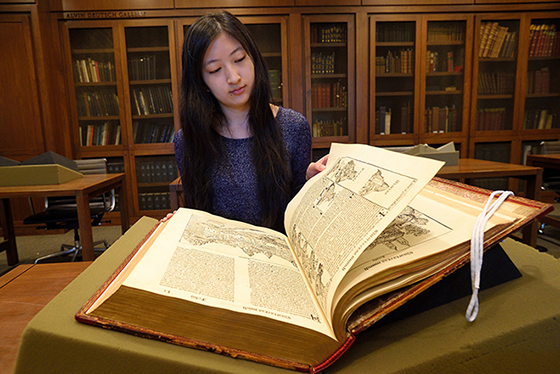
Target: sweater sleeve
x=297 y=137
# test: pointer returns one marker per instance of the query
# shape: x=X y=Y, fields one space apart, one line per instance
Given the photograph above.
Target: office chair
x=61 y=212
x=551 y=177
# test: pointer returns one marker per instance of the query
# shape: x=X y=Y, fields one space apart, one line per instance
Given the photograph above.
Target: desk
x=467 y=169
x=24 y=291
x=551 y=161
x=517 y=331
x=83 y=189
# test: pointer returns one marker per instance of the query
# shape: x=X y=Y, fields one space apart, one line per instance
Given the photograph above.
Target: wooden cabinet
x=329 y=66
x=514 y=92
x=541 y=110
x=445 y=68
x=394 y=79
x=125 y=99
x=420 y=74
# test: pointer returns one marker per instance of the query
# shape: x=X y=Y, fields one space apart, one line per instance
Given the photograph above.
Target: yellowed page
x=342 y=210
x=227 y=264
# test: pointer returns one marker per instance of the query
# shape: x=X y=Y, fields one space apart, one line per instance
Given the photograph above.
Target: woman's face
x=229 y=72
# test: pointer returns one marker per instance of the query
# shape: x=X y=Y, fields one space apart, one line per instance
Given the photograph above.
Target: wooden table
x=466 y=171
x=24 y=291
x=550 y=161
x=83 y=189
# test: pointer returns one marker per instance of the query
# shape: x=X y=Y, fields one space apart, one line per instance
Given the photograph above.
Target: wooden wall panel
x=20 y=117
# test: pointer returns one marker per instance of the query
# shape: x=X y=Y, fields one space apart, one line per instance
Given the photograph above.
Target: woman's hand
x=315 y=168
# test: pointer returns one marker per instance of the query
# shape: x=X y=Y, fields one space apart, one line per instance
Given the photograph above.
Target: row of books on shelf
x=100 y=102
x=115 y=166
x=440 y=33
x=496 y=83
x=93 y=71
x=442 y=119
x=540 y=119
x=106 y=133
x=322 y=63
x=398 y=121
x=401 y=61
x=496 y=41
x=156 y=170
x=329 y=127
x=328 y=34
x=329 y=95
x=152 y=132
x=152 y=100
x=154 y=201
x=142 y=68
x=538 y=81
x=394 y=33
x=491 y=119
x=544 y=40
x=448 y=63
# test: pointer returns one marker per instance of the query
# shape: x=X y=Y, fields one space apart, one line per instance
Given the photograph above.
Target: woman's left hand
x=315 y=168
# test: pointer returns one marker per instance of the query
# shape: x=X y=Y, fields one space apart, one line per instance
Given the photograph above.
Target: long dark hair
x=201 y=116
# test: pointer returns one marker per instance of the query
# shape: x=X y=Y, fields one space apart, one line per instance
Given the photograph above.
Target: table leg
x=533 y=192
x=86 y=232
x=8 y=232
x=123 y=203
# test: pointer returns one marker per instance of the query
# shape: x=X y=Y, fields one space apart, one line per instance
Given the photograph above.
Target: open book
x=365 y=235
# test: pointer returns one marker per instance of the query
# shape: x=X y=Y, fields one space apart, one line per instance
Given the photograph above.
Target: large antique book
x=364 y=236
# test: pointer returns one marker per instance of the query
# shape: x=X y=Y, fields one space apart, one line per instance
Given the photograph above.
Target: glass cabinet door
x=542 y=100
x=150 y=87
x=95 y=84
x=394 y=78
x=329 y=79
x=497 y=70
x=445 y=77
x=268 y=37
x=153 y=175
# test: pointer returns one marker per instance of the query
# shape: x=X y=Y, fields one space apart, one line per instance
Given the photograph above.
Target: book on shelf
x=498 y=42
x=441 y=119
x=543 y=40
x=152 y=100
x=364 y=236
x=384 y=121
x=540 y=119
x=487 y=33
x=106 y=133
x=492 y=34
x=329 y=127
x=510 y=44
x=93 y=71
x=489 y=119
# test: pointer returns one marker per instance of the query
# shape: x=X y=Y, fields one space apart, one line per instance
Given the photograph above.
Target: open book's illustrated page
x=338 y=213
x=227 y=264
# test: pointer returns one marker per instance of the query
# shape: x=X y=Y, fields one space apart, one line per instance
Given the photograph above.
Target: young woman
x=239 y=156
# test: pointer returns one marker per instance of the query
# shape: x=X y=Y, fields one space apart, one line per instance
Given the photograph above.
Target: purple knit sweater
x=235 y=185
